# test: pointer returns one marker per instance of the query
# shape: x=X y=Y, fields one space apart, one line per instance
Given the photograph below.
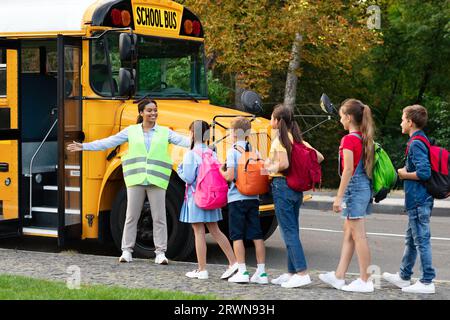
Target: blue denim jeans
x=418 y=241
x=287 y=209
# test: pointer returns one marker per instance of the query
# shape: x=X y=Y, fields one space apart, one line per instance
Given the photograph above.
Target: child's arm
x=345 y=179
x=418 y=153
x=228 y=174
x=320 y=156
x=188 y=169
x=280 y=163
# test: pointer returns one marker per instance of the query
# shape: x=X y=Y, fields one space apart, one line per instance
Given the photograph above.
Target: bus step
x=40 y=231
x=55 y=188
x=55 y=210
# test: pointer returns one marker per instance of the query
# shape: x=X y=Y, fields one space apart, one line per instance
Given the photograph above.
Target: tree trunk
x=238 y=89
x=292 y=79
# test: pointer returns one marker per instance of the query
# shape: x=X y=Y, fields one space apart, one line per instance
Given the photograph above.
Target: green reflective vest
x=154 y=165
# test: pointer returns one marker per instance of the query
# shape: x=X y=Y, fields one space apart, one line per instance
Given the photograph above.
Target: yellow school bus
x=73 y=70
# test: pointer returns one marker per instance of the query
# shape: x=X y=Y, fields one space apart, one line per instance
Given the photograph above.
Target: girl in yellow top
x=287 y=201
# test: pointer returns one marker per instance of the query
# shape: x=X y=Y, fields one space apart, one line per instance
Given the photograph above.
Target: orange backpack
x=251 y=178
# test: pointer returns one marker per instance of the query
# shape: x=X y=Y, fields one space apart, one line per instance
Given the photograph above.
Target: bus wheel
x=180 y=238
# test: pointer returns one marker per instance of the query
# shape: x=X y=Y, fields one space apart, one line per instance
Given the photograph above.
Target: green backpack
x=384 y=176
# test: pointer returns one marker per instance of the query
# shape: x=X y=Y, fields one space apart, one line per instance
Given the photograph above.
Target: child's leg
x=239 y=251
x=410 y=253
x=423 y=241
x=222 y=241
x=200 y=244
x=260 y=251
x=348 y=248
x=361 y=246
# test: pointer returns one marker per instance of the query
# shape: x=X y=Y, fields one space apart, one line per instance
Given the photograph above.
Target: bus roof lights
x=126 y=18
x=196 y=28
x=116 y=17
x=188 y=27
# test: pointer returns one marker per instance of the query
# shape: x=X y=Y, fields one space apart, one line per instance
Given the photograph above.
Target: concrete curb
x=387 y=206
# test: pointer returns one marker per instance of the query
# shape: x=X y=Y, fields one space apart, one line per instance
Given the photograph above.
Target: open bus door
x=10 y=166
x=69 y=129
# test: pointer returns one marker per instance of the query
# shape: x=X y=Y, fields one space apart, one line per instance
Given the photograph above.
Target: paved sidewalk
x=393 y=204
x=145 y=274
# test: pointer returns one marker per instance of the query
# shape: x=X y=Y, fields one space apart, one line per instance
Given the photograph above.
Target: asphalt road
x=321 y=235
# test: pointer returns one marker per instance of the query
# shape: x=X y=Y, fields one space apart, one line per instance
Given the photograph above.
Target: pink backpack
x=212 y=189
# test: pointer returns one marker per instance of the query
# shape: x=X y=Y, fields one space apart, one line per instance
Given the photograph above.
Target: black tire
x=180 y=240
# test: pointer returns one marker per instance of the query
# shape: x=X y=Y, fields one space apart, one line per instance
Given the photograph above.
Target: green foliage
x=219 y=94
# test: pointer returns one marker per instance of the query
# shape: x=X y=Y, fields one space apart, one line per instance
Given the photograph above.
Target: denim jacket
x=417 y=160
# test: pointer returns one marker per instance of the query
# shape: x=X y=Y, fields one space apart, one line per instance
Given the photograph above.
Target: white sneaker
x=230 y=271
x=359 y=286
x=126 y=256
x=297 y=281
x=281 y=279
x=260 y=278
x=240 y=277
x=161 y=259
x=395 y=279
x=330 y=279
x=420 y=287
x=202 y=275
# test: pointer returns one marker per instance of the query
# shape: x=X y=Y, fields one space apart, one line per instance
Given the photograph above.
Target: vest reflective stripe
x=155 y=166
x=150 y=172
x=133 y=161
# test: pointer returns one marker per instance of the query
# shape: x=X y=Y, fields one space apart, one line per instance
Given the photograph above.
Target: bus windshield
x=166 y=68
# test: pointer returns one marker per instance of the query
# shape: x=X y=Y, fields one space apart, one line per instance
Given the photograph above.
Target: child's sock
x=242 y=267
x=261 y=268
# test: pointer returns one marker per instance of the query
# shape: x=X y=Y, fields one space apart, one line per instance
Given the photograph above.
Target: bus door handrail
x=30 y=214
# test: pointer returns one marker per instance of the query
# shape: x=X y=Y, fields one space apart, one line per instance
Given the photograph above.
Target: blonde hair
x=362 y=115
x=242 y=126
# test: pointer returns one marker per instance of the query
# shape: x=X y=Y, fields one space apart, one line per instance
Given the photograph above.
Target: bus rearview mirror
x=126 y=82
x=127 y=46
x=326 y=105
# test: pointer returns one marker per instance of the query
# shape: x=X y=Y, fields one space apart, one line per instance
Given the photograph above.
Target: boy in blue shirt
x=418 y=203
x=243 y=211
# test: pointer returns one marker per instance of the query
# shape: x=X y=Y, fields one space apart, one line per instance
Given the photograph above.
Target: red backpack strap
x=421 y=138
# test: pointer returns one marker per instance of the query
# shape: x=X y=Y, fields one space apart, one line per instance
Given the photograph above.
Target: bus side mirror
x=326 y=105
x=127 y=46
x=251 y=101
x=126 y=82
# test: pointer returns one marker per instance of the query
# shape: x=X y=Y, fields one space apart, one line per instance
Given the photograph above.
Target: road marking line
x=371 y=233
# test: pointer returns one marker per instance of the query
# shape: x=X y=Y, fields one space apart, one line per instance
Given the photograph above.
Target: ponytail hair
x=141 y=106
x=200 y=132
x=286 y=125
x=362 y=115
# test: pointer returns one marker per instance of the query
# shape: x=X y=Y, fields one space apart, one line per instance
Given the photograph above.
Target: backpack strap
x=420 y=138
x=356 y=135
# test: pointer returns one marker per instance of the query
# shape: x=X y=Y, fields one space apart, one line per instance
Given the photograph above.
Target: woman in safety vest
x=146 y=169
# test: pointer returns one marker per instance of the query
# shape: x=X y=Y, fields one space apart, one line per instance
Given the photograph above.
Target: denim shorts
x=243 y=220
x=358 y=198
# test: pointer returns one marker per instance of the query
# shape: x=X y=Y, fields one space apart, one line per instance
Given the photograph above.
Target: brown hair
x=362 y=115
x=417 y=114
x=200 y=130
x=286 y=124
x=243 y=126
x=141 y=106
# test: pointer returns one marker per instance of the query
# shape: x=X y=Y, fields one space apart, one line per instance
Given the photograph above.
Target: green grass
x=23 y=288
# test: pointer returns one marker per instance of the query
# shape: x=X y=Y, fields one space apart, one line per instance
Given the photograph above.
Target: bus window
x=170 y=68
x=165 y=68
x=2 y=72
x=104 y=52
